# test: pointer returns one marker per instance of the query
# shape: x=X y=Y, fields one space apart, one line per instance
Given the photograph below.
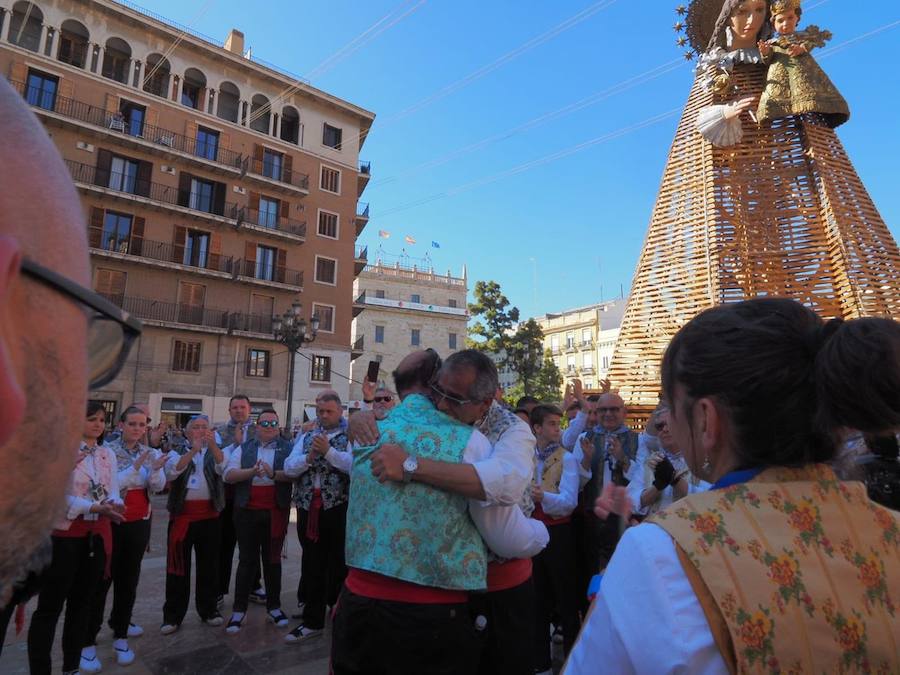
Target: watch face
x=410 y=464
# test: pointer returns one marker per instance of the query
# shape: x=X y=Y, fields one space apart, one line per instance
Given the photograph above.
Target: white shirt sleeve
x=637 y=483
x=506 y=473
x=156 y=480
x=561 y=504
x=132 y=478
x=661 y=608
x=505 y=529
x=234 y=462
x=170 y=468
x=77 y=506
x=573 y=431
x=340 y=459
x=296 y=463
x=584 y=475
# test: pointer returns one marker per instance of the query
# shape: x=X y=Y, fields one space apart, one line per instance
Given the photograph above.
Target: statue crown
x=779 y=6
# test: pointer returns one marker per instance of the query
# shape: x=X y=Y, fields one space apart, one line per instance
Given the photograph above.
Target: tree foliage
x=493 y=318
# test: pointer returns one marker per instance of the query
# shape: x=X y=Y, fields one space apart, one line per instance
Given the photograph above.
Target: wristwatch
x=410 y=466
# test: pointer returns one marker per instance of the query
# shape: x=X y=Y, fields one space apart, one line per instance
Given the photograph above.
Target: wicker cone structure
x=781 y=213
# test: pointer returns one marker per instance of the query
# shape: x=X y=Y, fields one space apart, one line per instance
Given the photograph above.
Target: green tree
x=493 y=317
x=545 y=386
x=525 y=352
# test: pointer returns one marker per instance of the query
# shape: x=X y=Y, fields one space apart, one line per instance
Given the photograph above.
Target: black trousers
x=203 y=539
x=600 y=540
x=509 y=631
x=129 y=545
x=227 y=542
x=254 y=536
x=322 y=568
x=379 y=637
x=72 y=578
x=554 y=589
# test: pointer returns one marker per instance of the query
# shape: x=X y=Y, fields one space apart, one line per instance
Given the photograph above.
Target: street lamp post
x=290 y=330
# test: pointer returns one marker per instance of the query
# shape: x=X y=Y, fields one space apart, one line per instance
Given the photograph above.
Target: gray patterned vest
x=335 y=485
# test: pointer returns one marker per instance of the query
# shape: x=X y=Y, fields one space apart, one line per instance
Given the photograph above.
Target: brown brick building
x=217 y=190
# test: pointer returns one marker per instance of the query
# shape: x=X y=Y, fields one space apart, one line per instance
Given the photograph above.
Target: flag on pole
x=409 y=240
x=384 y=234
x=434 y=244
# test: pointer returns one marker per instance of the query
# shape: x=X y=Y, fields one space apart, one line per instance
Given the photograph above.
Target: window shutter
x=280 y=264
x=19 y=70
x=219 y=198
x=284 y=211
x=258 y=154
x=111 y=284
x=112 y=103
x=137 y=236
x=190 y=130
x=178 y=243
x=215 y=250
x=104 y=162
x=184 y=188
x=254 y=201
x=144 y=174
x=66 y=88
x=151 y=117
x=95 y=231
x=288 y=168
x=249 y=259
x=193 y=295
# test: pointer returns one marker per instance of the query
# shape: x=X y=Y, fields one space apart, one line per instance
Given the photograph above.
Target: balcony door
x=196 y=248
x=192 y=299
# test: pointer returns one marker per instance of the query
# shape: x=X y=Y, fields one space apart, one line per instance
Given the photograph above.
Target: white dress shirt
x=646 y=617
x=144 y=477
x=298 y=461
x=507 y=472
x=607 y=472
x=584 y=475
x=505 y=529
x=81 y=506
x=266 y=453
x=197 y=487
x=560 y=504
x=642 y=478
x=571 y=433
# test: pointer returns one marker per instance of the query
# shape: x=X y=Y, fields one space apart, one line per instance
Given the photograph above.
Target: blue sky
x=581 y=217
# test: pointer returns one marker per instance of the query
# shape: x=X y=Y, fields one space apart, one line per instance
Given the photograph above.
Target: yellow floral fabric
x=804 y=569
x=552 y=472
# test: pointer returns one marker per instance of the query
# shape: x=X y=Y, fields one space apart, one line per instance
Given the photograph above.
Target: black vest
x=249 y=454
x=179 y=487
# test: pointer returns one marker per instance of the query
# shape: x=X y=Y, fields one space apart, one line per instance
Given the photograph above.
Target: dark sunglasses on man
x=111 y=331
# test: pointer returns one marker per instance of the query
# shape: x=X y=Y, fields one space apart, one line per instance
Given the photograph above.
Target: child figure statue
x=795 y=84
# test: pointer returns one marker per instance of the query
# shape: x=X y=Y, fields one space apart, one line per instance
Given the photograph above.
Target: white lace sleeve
x=713 y=126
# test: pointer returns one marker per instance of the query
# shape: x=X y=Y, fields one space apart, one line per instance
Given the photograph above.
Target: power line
x=165 y=57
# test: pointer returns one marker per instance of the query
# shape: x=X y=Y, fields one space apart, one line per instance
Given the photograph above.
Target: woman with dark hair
x=780 y=566
x=82 y=546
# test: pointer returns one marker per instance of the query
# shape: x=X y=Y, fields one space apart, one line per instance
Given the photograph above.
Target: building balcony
x=570 y=348
x=358 y=347
x=188 y=317
x=360 y=259
x=586 y=344
x=275 y=176
x=167 y=197
x=362 y=178
x=362 y=217
x=555 y=351
x=101 y=122
x=587 y=370
x=267 y=224
x=256 y=272
x=161 y=254
x=359 y=305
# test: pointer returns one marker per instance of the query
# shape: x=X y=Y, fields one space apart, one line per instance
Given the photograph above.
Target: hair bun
x=831 y=327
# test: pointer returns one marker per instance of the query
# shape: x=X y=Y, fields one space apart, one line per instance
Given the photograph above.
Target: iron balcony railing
x=149 y=309
x=362 y=210
x=359 y=344
x=276 y=173
x=362 y=253
x=365 y=168
x=161 y=251
x=270 y=222
x=116 y=122
x=157 y=192
x=255 y=269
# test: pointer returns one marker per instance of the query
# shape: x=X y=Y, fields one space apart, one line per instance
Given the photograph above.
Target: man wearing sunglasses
x=382 y=402
x=415 y=551
x=57 y=340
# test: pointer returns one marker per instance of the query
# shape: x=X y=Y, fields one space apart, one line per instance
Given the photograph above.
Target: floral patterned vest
x=552 y=470
x=91 y=479
x=796 y=571
x=335 y=485
x=412 y=531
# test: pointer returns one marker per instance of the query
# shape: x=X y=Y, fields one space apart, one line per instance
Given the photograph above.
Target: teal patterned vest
x=412 y=531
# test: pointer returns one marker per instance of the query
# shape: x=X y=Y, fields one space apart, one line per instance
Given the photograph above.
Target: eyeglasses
x=608 y=410
x=111 y=332
x=268 y=424
x=454 y=401
x=661 y=425
x=383 y=399
x=436 y=366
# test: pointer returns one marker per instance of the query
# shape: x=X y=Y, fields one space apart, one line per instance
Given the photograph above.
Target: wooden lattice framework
x=781 y=213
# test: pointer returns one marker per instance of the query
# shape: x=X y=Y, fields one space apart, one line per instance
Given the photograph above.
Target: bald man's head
x=415 y=372
x=43 y=335
x=611 y=411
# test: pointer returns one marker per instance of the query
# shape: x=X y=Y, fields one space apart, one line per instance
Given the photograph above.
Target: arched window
x=157 y=73
x=117 y=60
x=229 y=102
x=193 y=89
x=73 y=43
x=259 y=120
x=290 y=125
x=25 y=25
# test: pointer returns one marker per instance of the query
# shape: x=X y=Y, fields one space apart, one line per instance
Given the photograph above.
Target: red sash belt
x=102 y=527
x=315 y=508
x=194 y=510
x=262 y=498
x=548 y=520
x=380 y=587
x=503 y=575
x=137 y=505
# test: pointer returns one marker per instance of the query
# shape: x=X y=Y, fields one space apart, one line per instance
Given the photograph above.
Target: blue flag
x=434 y=244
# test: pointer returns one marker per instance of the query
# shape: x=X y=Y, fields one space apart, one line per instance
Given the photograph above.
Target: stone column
x=46 y=46
x=179 y=87
x=6 y=15
x=242 y=113
x=211 y=104
x=278 y=127
x=271 y=123
x=140 y=74
x=99 y=51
